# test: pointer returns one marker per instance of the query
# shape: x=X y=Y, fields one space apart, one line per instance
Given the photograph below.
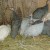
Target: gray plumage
x=40 y=12
x=16 y=22
x=46 y=29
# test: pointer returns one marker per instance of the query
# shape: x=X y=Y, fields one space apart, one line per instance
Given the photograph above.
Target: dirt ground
x=41 y=42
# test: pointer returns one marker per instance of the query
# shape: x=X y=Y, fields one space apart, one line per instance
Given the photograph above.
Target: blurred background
x=22 y=8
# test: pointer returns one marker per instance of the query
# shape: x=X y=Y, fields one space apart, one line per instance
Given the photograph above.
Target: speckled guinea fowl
x=28 y=29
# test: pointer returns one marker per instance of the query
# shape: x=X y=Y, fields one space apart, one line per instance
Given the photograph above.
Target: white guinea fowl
x=4 y=31
x=26 y=24
x=27 y=29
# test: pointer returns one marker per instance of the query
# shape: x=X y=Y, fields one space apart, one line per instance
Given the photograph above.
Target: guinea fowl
x=46 y=29
x=31 y=29
x=5 y=30
x=16 y=23
x=40 y=12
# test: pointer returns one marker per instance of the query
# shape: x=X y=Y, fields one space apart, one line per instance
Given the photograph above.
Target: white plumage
x=4 y=31
x=34 y=30
x=31 y=30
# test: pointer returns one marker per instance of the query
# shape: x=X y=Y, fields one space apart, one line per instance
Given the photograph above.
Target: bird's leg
x=35 y=38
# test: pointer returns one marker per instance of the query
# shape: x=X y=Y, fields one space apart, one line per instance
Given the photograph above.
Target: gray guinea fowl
x=40 y=12
x=16 y=23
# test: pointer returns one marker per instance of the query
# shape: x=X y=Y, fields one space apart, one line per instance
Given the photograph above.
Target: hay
x=41 y=42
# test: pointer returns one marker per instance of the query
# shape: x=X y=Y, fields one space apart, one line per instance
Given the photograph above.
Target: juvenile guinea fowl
x=5 y=30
